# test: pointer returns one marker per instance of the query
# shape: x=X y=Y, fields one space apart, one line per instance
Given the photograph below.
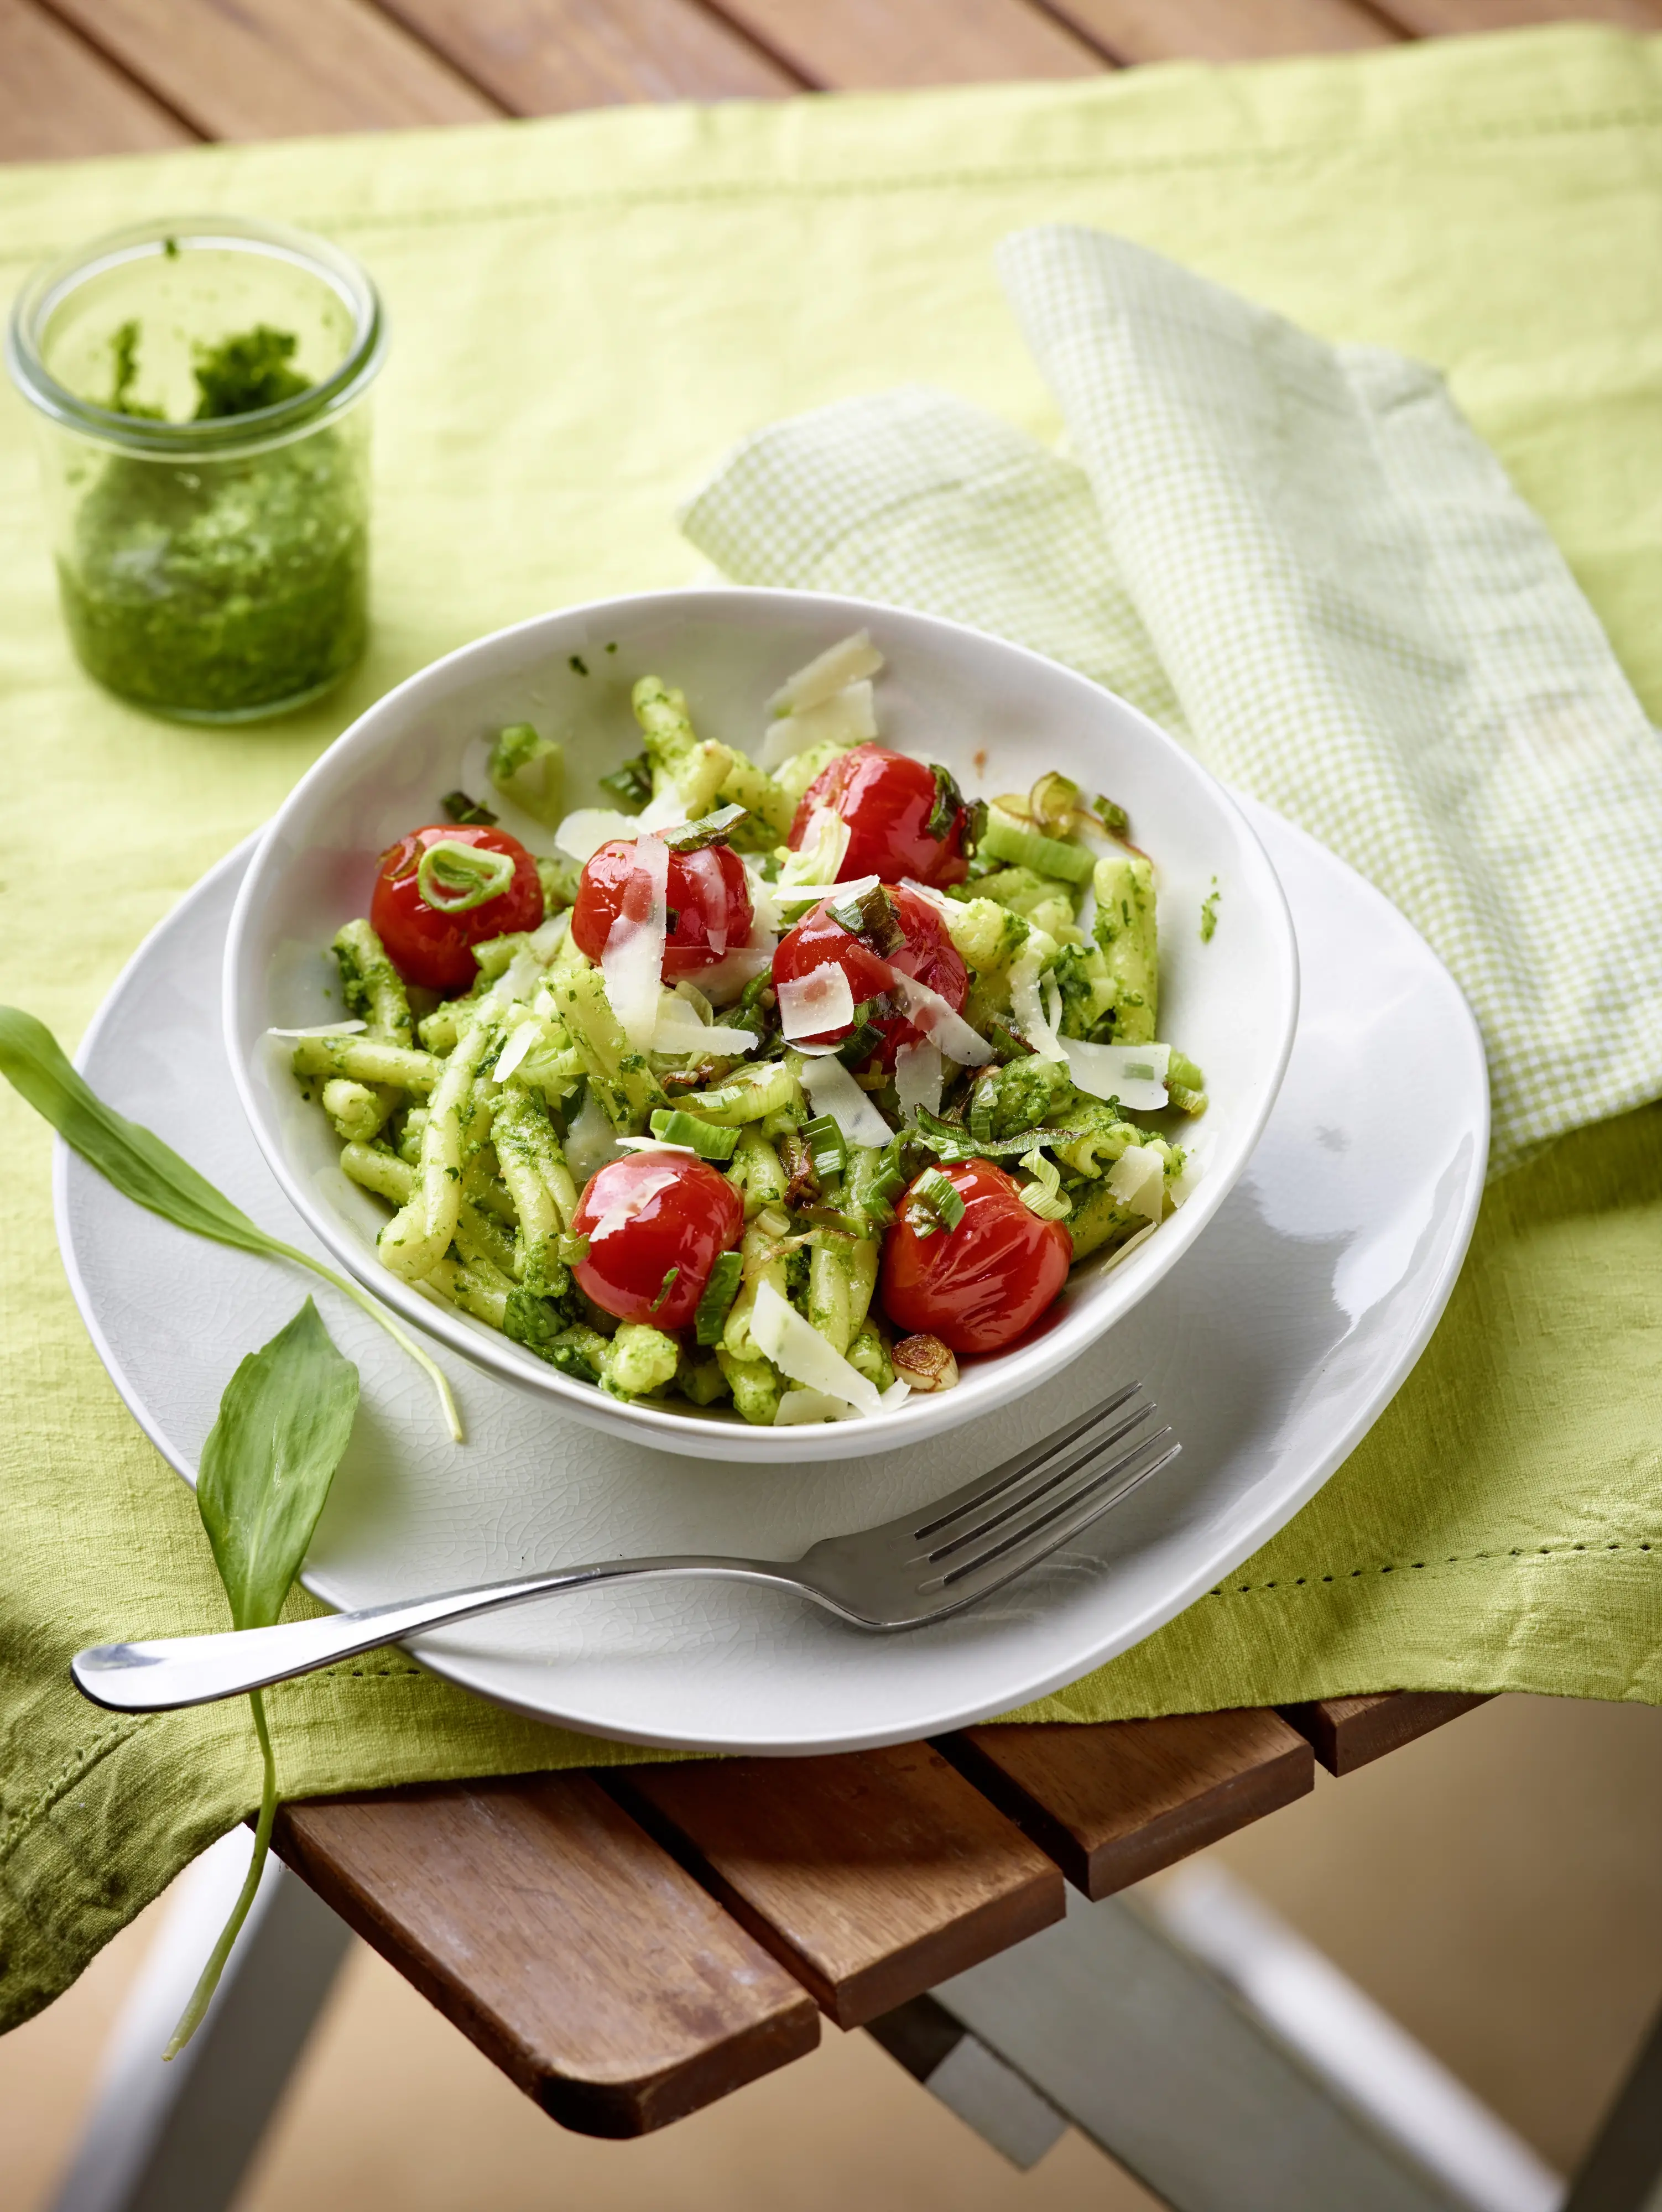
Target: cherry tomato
x=645 y=1215
x=434 y=948
x=978 y=1286
x=929 y=954
x=708 y=900
x=885 y=798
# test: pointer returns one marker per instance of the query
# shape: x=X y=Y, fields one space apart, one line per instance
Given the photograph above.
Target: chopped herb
x=530 y=769
x=612 y=648
x=672 y=1125
x=170 y=248
x=872 y=917
x=948 y=802
x=460 y=808
x=1209 y=913
x=630 y=785
x=243 y=374
x=1114 y=819
x=672 y=919
x=577 y=664
x=709 y=829
x=720 y=1291
x=666 y=1286
x=867 y=1034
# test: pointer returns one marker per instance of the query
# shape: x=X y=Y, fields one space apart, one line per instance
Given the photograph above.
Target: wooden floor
x=110 y=76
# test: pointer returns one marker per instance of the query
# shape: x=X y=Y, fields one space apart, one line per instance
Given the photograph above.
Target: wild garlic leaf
x=268 y=1459
x=139 y=1165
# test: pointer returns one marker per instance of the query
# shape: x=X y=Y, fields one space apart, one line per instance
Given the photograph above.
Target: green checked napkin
x=1296 y=556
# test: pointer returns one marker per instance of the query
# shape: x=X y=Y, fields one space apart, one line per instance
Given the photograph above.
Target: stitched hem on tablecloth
x=1454 y=1560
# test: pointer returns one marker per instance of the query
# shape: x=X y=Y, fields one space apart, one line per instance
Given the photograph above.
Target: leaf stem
x=378 y=1312
x=202 y=1997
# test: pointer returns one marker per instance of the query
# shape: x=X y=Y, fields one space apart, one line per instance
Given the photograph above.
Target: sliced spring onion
x=1005 y=839
x=935 y=1196
x=1133 y=1073
x=825 y=1146
x=831 y=1089
x=1044 y=1197
x=676 y=1127
x=454 y=877
x=812 y=1004
x=720 y=1291
x=797 y=1349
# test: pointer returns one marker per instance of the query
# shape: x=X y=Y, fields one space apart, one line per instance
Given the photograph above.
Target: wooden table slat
x=1223 y=30
x=1431 y=19
x=1346 y=1733
x=267 y=68
x=61 y=101
x=872 y=1874
x=564 y=1942
x=1114 y=1802
x=545 y=57
x=873 y=45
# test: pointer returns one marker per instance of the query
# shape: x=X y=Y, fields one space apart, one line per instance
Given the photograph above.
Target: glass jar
x=199 y=388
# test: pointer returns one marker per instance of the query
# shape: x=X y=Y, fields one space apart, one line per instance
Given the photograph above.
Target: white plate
x=1271 y=1350
x=987 y=709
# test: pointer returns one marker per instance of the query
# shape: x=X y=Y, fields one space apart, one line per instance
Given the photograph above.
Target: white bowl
x=997 y=715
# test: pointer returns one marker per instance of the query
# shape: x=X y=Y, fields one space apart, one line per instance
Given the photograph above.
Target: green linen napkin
x=586 y=312
x=1300 y=556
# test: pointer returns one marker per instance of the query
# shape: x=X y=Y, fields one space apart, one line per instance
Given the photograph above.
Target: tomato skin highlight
x=433 y=949
x=978 y=1287
x=928 y=955
x=708 y=894
x=885 y=798
x=678 y=1212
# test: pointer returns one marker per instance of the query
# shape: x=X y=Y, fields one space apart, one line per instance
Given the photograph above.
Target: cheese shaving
x=581 y=835
x=653 y=1144
x=633 y=962
x=1125 y=1250
x=589 y=1143
x=846 y=719
x=831 y=1089
x=679 y=1030
x=522 y=1041
x=1137 y=1180
x=1028 y=1007
x=795 y=894
x=833 y=669
x=797 y=1349
x=1133 y=1074
x=623 y=1211
x=812 y=1004
x=323 y=1028
x=917 y=1078
x=665 y=810
x=929 y=1012
x=820 y=855
x=797 y=1407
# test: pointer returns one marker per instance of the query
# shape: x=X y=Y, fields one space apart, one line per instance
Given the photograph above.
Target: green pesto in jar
x=220 y=587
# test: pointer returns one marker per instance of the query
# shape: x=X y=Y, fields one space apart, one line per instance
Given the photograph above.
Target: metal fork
x=927 y=1564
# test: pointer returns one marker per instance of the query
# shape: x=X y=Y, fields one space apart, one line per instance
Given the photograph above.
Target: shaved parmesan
x=795 y=894
x=589 y=1143
x=722 y=983
x=839 y=665
x=523 y=1041
x=831 y=1089
x=517 y=981
x=797 y=1407
x=917 y=1077
x=1137 y=1180
x=820 y=1001
x=1028 y=1007
x=1194 y=1167
x=581 y=835
x=623 y=1211
x=797 y=1349
x=665 y=810
x=1133 y=1074
x=633 y=962
x=1126 y=1249
x=846 y=719
x=323 y=1028
x=653 y=1144
x=679 y=1030
x=547 y=937
x=896 y=1395
x=929 y=1012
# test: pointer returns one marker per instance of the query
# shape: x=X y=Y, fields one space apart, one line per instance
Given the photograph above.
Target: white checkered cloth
x=1300 y=559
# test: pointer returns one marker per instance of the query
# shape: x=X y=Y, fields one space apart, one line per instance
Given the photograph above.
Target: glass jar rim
x=53 y=283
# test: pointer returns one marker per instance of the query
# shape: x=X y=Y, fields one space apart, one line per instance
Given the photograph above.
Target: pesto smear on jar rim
x=199 y=389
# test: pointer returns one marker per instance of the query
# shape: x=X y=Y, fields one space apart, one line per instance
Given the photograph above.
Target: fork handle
x=172 y=1671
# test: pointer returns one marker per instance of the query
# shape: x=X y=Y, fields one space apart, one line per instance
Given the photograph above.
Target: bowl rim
x=1010 y=1374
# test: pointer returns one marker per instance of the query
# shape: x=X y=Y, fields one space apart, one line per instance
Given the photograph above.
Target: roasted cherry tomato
x=979 y=1285
x=708 y=900
x=885 y=798
x=429 y=944
x=657 y=1223
x=927 y=953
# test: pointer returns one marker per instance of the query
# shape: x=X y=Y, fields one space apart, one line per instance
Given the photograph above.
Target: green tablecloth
x=585 y=314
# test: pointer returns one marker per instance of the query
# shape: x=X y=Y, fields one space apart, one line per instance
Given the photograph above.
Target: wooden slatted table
x=629 y=1946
